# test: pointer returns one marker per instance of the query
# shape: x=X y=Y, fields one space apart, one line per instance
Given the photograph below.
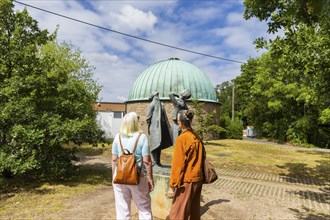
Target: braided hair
x=186 y=116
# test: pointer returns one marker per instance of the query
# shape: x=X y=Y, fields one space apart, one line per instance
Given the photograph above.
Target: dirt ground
x=233 y=196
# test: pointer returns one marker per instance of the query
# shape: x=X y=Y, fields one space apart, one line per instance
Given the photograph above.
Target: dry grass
x=102 y=148
x=21 y=199
x=24 y=199
x=253 y=156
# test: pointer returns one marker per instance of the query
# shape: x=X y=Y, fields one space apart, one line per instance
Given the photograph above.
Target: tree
x=46 y=96
x=225 y=97
x=207 y=125
x=233 y=129
x=287 y=14
x=290 y=85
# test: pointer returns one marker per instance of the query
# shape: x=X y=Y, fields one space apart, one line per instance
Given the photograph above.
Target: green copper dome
x=172 y=75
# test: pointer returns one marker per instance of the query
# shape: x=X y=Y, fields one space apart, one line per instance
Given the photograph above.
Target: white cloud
x=235 y=18
x=133 y=19
x=202 y=15
x=212 y=28
x=122 y=98
x=103 y=57
x=238 y=36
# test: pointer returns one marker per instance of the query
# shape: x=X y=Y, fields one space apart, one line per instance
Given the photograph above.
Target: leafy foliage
x=286 y=13
x=225 y=97
x=289 y=96
x=233 y=129
x=46 y=96
x=206 y=123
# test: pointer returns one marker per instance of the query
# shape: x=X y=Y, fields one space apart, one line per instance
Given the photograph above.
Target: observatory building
x=172 y=75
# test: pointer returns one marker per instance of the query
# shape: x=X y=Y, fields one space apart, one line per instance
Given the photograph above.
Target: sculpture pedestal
x=160 y=204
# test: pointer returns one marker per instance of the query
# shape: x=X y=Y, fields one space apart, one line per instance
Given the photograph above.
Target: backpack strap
x=121 y=145
x=127 y=151
x=136 y=142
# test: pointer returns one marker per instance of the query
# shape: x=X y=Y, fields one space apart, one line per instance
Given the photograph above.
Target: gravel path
x=235 y=195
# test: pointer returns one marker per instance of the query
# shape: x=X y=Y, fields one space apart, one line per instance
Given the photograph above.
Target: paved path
x=235 y=195
x=306 y=192
x=300 y=192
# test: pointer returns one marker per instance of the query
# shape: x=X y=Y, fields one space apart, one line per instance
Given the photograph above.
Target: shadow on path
x=318 y=175
x=207 y=205
x=309 y=216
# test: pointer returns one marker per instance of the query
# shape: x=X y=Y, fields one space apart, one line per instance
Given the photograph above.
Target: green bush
x=233 y=129
x=305 y=132
x=206 y=122
x=46 y=97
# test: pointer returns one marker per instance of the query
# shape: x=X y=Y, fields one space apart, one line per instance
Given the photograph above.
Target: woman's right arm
x=114 y=157
x=148 y=164
x=114 y=164
x=146 y=158
x=177 y=162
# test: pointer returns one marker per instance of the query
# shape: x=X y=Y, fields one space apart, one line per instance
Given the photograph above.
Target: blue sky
x=211 y=27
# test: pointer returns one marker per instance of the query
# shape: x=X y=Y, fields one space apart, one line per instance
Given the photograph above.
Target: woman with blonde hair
x=129 y=134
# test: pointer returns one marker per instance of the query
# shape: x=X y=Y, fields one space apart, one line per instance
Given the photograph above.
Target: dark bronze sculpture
x=158 y=128
x=178 y=104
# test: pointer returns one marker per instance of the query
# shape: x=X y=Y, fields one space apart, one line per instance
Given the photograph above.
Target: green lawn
x=25 y=199
x=253 y=156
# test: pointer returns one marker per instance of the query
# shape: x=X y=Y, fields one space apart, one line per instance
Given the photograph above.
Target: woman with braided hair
x=186 y=173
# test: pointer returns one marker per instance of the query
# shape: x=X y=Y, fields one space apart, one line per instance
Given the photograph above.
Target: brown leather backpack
x=128 y=172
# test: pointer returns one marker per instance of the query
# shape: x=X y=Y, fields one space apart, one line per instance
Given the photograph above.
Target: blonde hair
x=130 y=124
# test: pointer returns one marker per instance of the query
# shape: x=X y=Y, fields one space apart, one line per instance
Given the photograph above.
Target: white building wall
x=108 y=123
x=116 y=125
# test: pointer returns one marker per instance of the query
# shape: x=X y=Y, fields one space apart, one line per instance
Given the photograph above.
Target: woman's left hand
x=170 y=193
x=151 y=184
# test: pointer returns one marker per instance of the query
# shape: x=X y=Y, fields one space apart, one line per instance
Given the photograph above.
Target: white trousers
x=140 y=195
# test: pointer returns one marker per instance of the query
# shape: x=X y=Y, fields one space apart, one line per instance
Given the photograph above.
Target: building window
x=117 y=115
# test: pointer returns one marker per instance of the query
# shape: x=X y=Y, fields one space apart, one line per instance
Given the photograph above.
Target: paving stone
x=305 y=192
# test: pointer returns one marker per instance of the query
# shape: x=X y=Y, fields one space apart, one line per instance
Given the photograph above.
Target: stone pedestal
x=160 y=204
